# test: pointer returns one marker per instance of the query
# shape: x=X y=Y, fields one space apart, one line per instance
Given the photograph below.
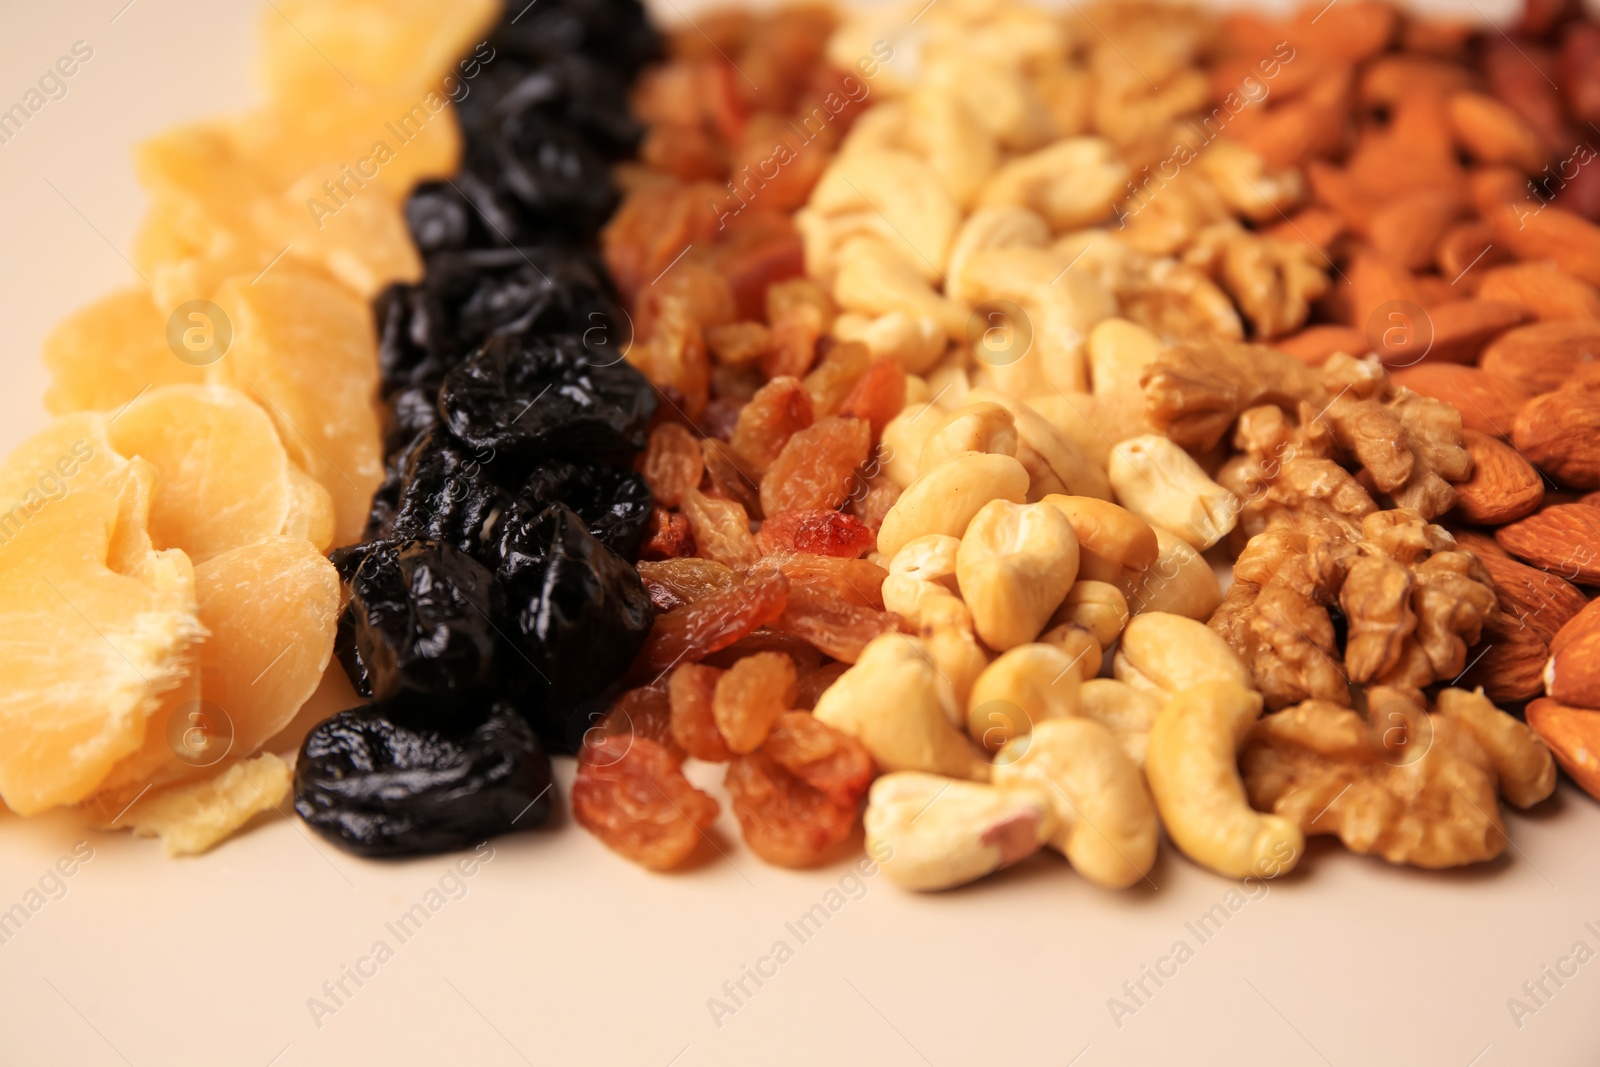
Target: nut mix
x=873 y=431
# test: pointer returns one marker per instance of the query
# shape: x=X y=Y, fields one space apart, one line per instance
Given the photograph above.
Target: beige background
x=558 y=952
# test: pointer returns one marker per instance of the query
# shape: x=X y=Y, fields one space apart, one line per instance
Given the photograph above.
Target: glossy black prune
x=532 y=397
x=568 y=92
x=439 y=218
x=616 y=32
x=446 y=493
x=614 y=502
x=412 y=412
x=421 y=616
x=576 y=610
x=374 y=785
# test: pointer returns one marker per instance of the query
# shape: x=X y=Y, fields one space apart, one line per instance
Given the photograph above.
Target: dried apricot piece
x=302 y=349
x=817 y=531
x=630 y=794
x=785 y=821
x=103 y=355
x=222 y=477
x=824 y=758
x=694 y=723
x=750 y=696
x=713 y=622
x=68 y=718
x=816 y=466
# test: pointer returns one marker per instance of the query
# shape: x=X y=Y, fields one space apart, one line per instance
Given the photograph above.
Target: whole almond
x=1493 y=133
x=1318 y=227
x=1314 y=344
x=1573 y=735
x=1583 y=622
x=1488 y=403
x=1580 y=70
x=1462 y=328
x=1529 y=598
x=1509 y=664
x=1504 y=487
x=1570 y=240
x=1467 y=248
x=1560 y=432
x=1390 y=78
x=1547 y=291
x=1408 y=229
x=1492 y=188
x=1376 y=280
x=1483 y=545
x=1543 y=355
x=1563 y=539
x=1573 y=674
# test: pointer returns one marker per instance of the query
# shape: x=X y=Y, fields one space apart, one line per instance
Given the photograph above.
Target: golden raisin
x=785 y=821
x=631 y=794
x=776 y=413
x=672 y=463
x=816 y=466
x=822 y=757
x=694 y=726
x=750 y=697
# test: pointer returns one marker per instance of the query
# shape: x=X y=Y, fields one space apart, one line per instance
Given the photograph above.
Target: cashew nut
x=956 y=145
x=875 y=278
x=1079 y=645
x=1123 y=710
x=937 y=833
x=1105 y=819
x=924 y=604
x=1180 y=583
x=959 y=659
x=1192 y=768
x=1021 y=688
x=1001 y=226
x=915 y=342
x=903 y=438
x=944 y=500
x=892 y=701
x=1526 y=770
x=1072 y=183
x=974 y=427
x=1163 y=485
x=1015 y=565
x=1114 y=545
x=1098 y=607
x=1119 y=352
x=1077 y=417
x=917 y=216
x=1162 y=654
x=1048 y=455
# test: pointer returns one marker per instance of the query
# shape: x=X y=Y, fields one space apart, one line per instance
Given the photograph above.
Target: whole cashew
x=1014 y=566
x=936 y=833
x=1162 y=654
x=1192 y=768
x=944 y=500
x=1020 y=689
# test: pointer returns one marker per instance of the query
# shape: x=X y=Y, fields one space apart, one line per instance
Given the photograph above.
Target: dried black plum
x=344 y=647
x=376 y=786
x=615 y=32
x=568 y=92
x=577 y=611
x=614 y=503
x=446 y=493
x=534 y=397
x=439 y=218
x=422 y=617
x=412 y=412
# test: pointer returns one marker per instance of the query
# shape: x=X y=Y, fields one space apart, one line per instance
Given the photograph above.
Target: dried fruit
x=785 y=821
x=778 y=410
x=824 y=758
x=750 y=697
x=694 y=723
x=630 y=794
x=816 y=466
x=713 y=622
x=672 y=463
x=721 y=529
x=832 y=621
x=818 y=531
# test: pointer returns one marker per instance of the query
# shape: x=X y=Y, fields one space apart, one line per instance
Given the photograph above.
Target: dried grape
x=672 y=463
x=815 y=531
x=779 y=410
x=684 y=580
x=694 y=724
x=824 y=758
x=837 y=375
x=667 y=536
x=859 y=581
x=630 y=794
x=750 y=696
x=728 y=481
x=721 y=529
x=713 y=622
x=825 y=617
x=814 y=682
x=816 y=466
x=785 y=821
x=878 y=395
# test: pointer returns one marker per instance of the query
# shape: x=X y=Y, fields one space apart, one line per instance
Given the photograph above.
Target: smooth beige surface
x=557 y=952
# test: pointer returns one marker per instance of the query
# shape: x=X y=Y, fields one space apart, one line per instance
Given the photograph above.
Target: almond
x=1315 y=226
x=1333 y=186
x=1488 y=403
x=1546 y=290
x=1560 y=432
x=1583 y=622
x=1543 y=355
x=1351 y=32
x=1522 y=84
x=1376 y=280
x=1510 y=664
x=1468 y=247
x=1580 y=70
x=1493 y=133
x=1553 y=233
x=1563 y=539
x=1503 y=488
x=1530 y=598
x=1492 y=188
x=1573 y=735
x=1314 y=344
x=1413 y=151
x=1482 y=545
x=1461 y=328
x=1408 y=229
x=1573 y=674
x=1391 y=78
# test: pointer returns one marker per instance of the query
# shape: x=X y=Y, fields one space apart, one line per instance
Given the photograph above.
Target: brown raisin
x=859 y=581
x=776 y=413
x=713 y=622
x=631 y=794
x=738 y=344
x=674 y=358
x=799 y=312
x=872 y=494
x=672 y=463
x=817 y=531
x=667 y=536
x=785 y=821
x=816 y=466
x=655 y=223
x=721 y=529
x=694 y=726
x=822 y=757
x=762 y=249
x=826 y=618
x=729 y=481
x=836 y=376
x=805 y=657
x=750 y=696
x=814 y=682
x=878 y=395
x=642 y=712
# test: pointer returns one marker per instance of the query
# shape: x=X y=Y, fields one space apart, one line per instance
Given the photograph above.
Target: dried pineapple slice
x=222 y=476
x=67 y=719
x=104 y=355
x=310 y=511
x=303 y=349
x=193 y=817
x=358 y=235
x=71 y=453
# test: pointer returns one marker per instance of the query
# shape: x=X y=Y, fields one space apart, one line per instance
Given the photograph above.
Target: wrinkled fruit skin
x=445 y=494
x=421 y=617
x=785 y=821
x=631 y=794
x=614 y=504
x=578 y=614
x=376 y=787
x=533 y=397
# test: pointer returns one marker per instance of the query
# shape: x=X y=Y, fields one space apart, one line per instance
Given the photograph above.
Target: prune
x=816 y=467
x=713 y=622
x=412 y=412
x=785 y=821
x=817 y=531
x=544 y=173
x=631 y=794
x=613 y=502
x=376 y=786
x=534 y=397
x=577 y=612
x=691 y=690
x=822 y=757
x=421 y=616
x=750 y=696
x=439 y=218
x=613 y=31
x=569 y=92
x=344 y=647
x=446 y=493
